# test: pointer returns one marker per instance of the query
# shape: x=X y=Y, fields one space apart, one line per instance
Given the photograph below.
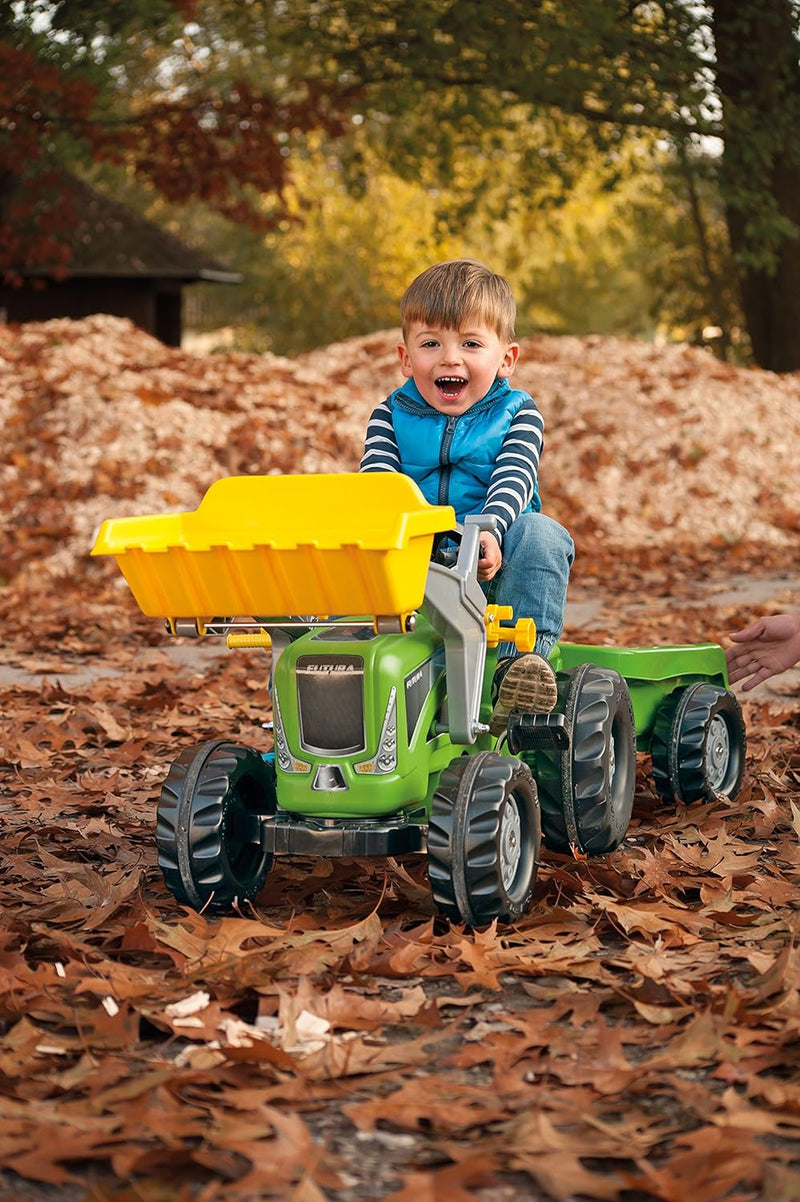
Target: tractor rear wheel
x=587 y=790
x=699 y=744
x=484 y=838
x=208 y=825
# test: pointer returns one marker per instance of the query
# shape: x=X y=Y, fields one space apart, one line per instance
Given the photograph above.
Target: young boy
x=469 y=440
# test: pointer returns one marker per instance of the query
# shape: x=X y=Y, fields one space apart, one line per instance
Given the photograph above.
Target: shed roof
x=110 y=240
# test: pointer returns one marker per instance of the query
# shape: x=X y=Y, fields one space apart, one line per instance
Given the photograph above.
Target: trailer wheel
x=699 y=744
x=484 y=838
x=587 y=790
x=208 y=830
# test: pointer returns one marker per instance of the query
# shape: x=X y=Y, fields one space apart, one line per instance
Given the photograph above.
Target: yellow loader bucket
x=349 y=543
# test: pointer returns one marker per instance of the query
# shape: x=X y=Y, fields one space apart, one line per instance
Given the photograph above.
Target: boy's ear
x=405 y=360
x=509 y=359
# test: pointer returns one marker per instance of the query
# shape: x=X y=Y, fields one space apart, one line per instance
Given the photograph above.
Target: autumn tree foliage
x=725 y=70
x=119 y=84
x=210 y=98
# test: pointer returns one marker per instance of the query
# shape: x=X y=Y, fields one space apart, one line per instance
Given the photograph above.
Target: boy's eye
x=471 y=343
x=430 y=342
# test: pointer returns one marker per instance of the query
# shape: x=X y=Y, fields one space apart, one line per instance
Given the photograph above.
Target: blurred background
x=632 y=168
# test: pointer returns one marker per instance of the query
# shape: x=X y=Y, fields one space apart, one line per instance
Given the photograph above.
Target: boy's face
x=454 y=369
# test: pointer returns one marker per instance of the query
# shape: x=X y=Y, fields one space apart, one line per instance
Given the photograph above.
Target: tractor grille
x=330 y=693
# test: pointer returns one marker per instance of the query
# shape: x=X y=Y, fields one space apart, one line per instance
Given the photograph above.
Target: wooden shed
x=120 y=263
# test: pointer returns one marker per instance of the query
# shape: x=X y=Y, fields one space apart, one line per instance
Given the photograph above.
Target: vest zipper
x=444 y=459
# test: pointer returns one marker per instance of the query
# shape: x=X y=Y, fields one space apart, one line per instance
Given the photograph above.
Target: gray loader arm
x=454 y=604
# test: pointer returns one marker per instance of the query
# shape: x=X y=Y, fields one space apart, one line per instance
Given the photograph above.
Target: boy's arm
x=381 y=453
x=513 y=481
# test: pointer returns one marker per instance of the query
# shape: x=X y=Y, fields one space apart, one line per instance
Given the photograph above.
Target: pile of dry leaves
x=646 y=446
x=633 y=1039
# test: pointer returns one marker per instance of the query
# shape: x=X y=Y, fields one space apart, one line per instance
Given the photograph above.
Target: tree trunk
x=759 y=82
x=771 y=298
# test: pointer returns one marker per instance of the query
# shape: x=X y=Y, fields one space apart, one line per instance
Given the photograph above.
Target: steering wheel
x=446 y=545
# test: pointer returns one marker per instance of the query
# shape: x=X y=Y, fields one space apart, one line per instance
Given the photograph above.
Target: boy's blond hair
x=449 y=294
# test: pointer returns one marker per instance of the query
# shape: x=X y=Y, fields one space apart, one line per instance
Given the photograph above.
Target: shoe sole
x=528 y=685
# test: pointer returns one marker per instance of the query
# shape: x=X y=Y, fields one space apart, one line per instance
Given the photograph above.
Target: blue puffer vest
x=452 y=458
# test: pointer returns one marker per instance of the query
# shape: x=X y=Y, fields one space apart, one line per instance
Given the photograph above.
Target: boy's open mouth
x=451 y=387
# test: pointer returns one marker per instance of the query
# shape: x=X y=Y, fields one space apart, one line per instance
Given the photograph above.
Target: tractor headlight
x=385 y=758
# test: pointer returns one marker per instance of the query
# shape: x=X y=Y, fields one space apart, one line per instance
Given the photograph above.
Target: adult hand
x=763 y=649
x=491 y=559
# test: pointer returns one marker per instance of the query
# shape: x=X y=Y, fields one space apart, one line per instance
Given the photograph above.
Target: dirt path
x=587 y=612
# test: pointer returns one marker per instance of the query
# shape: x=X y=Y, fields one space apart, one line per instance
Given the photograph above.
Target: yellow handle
x=260 y=639
x=522 y=634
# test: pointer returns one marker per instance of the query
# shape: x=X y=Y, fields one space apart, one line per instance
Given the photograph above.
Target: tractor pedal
x=532 y=732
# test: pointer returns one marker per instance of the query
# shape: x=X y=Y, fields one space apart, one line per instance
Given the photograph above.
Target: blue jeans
x=537 y=557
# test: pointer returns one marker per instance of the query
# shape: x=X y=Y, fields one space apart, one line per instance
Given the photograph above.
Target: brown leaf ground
x=634 y=1038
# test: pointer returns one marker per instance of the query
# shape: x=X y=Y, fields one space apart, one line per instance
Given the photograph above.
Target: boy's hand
x=491 y=558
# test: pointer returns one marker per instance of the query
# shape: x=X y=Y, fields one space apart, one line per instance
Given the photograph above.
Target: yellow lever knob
x=525 y=634
x=522 y=634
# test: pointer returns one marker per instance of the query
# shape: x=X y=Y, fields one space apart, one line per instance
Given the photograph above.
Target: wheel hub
x=718 y=751
x=510 y=842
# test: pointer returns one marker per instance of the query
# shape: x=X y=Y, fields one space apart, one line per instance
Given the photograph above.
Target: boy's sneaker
x=526 y=683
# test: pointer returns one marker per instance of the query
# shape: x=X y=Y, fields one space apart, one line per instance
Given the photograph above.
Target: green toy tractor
x=381 y=666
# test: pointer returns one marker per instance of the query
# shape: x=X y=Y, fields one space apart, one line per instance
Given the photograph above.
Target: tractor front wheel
x=484 y=838
x=208 y=825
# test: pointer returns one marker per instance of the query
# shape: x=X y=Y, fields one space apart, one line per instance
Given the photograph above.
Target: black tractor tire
x=484 y=839
x=699 y=744
x=208 y=827
x=587 y=790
